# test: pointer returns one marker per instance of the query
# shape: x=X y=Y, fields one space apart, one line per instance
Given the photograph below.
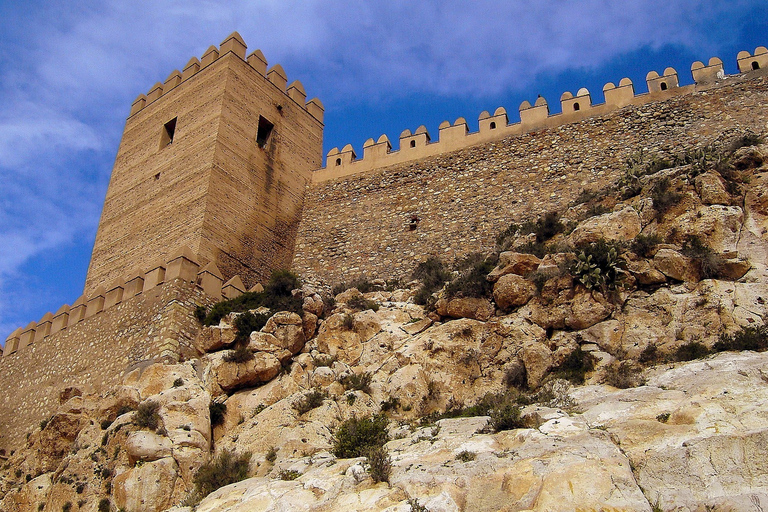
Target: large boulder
x=147 y=487
x=676 y=266
x=288 y=329
x=620 y=225
x=147 y=446
x=511 y=290
x=514 y=263
x=711 y=189
x=466 y=307
x=571 y=309
x=223 y=376
x=338 y=338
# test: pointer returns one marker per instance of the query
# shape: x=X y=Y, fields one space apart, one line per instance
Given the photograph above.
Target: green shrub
x=650 y=354
x=288 y=474
x=663 y=196
x=248 y=322
x=104 y=505
x=747 y=338
x=348 y=322
x=598 y=265
x=710 y=263
x=575 y=367
x=358 y=381
x=643 y=245
x=360 y=303
x=217 y=411
x=506 y=416
x=147 y=415
x=200 y=313
x=747 y=139
x=309 y=401
x=276 y=297
x=690 y=351
x=433 y=275
x=545 y=227
x=663 y=417
x=67 y=507
x=356 y=437
x=473 y=282
x=466 y=456
x=241 y=354
x=178 y=382
x=380 y=465
x=623 y=375
x=416 y=506
x=271 y=455
x=225 y=469
x=597 y=209
x=502 y=239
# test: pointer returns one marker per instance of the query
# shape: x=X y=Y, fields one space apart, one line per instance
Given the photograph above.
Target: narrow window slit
x=264 y=131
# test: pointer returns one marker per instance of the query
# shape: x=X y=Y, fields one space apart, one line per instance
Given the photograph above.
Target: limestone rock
x=213 y=338
x=147 y=446
x=228 y=376
x=288 y=329
x=313 y=303
x=538 y=360
x=466 y=307
x=367 y=324
x=309 y=325
x=676 y=266
x=514 y=263
x=147 y=487
x=571 y=309
x=734 y=268
x=620 y=225
x=511 y=290
x=645 y=273
x=711 y=189
x=719 y=226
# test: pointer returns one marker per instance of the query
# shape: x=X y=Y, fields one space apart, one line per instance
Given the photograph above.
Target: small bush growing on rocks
x=309 y=401
x=575 y=367
x=289 y=474
x=690 y=351
x=348 y=322
x=747 y=338
x=472 y=282
x=147 y=415
x=433 y=275
x=225 y=469
x=416 y=506
x=664 y=197
x=358 y=381
x=709 y=262
x=241 y=354
x=248 y=322
x=643 y=245
x=271 y=455
x=104 y=505
x=379 y=464
x=545 y=227
x=217 y=411
x=361 y=304
x=356 y=437
x=276 y=296
x=466 y=456
x=650 y=354
x=623 y=375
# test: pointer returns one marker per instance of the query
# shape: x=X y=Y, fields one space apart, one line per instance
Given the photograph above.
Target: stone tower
x=215 y=159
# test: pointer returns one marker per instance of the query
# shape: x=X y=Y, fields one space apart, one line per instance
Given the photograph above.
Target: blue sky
x=69 y=72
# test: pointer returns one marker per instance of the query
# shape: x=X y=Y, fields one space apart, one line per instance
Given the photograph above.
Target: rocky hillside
x=608 y=357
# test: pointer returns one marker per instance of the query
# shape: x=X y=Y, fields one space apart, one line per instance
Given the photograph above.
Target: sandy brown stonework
x=361 y=224
x=95 y=353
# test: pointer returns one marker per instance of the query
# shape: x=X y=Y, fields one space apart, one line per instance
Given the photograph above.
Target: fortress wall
x=454 y=136
x=359 y=224
x=94 y=354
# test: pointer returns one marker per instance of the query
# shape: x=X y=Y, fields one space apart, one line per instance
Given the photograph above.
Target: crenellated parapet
x=235 y=45
x=533 y=116
x=184 y=265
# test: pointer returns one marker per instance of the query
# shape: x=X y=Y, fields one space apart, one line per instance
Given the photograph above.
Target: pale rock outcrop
x=719 y=226
x=676 y=266
x=622 y=225
x=367 y=324
x=221 y=375
x=711 y=189
x=214 y=338
x=538 y=360
x=466 y=307
x=147 y=446
x=337 y=340
x=288 y=329
x=514 y=263
x=645 y=273
x=146 y=487
x=571 y=309
x=511 y=290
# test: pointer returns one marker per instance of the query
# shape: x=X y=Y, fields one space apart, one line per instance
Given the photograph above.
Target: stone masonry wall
x=359 y=224
x=95 y=353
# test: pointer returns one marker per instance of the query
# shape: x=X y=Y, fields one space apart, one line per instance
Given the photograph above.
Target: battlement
x=184 y=265
x=232 y=44
x=453 y=136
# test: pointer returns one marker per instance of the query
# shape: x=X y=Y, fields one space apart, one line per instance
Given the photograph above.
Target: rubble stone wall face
x=94 y=354
x=360 y=224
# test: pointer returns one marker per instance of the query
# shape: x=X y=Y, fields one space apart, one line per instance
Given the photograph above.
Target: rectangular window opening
x=265 y=130
x=169 y=130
